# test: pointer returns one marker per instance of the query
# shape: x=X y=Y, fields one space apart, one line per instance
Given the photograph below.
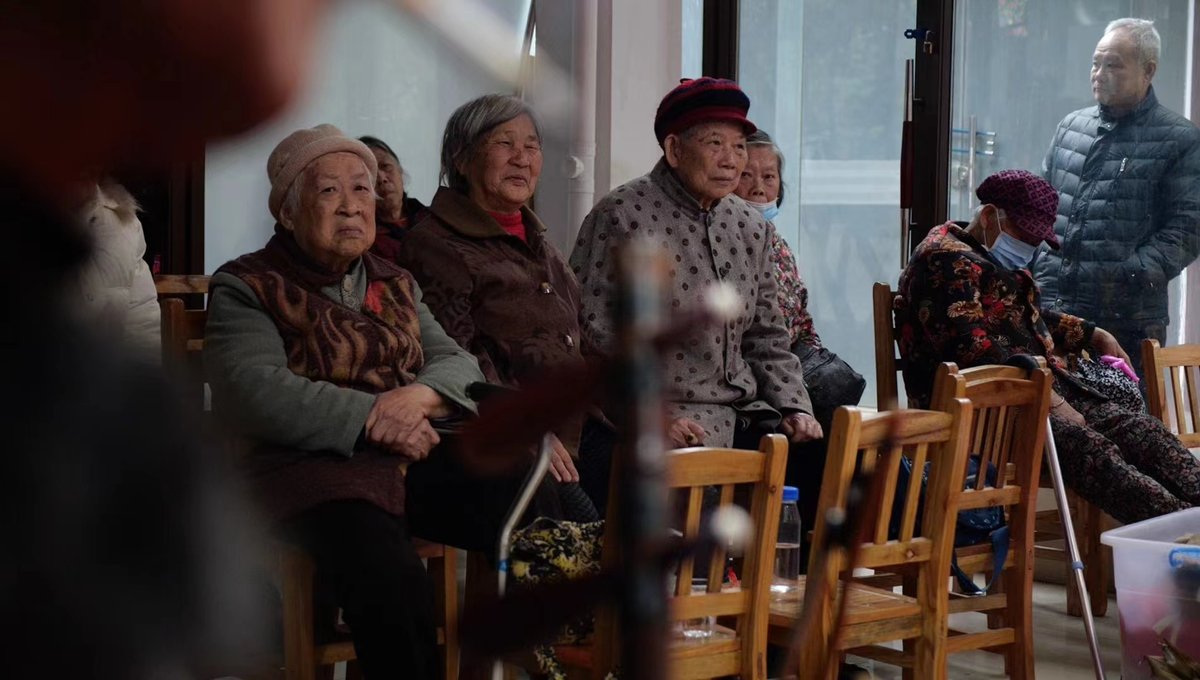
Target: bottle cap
x=791 y=494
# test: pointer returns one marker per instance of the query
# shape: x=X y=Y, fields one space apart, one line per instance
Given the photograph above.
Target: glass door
x=1020 y=66
x=826 y=80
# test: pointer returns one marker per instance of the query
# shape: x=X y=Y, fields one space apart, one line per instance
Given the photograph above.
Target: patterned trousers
x=1128 y=463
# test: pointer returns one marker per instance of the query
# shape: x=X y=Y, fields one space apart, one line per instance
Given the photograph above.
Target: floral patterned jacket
x=958 y=304
x=793 y=295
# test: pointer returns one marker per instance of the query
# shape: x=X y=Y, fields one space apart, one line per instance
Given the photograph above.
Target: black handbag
x=1108 y=381
x=831 y=382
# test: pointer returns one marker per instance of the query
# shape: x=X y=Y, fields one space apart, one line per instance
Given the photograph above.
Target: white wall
x=378 y=73
x=384 y=74
x=640 y=58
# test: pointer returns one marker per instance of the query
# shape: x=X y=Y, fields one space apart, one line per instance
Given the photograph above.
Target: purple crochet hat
x=1029 y=202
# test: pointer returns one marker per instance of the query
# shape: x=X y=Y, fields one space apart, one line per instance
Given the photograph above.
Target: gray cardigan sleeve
x=254 y=388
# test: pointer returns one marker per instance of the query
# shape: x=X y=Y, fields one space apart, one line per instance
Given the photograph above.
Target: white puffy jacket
x=116 y=286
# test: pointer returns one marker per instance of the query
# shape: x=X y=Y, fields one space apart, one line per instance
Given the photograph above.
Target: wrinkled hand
x=684 y=432
x=399 y=420
x=1066 y=411
x=561 y=464
x=1105 y=343
x=801 y=427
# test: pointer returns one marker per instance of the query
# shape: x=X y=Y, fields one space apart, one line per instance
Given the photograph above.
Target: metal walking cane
x=1064 y=512
x=532 y=481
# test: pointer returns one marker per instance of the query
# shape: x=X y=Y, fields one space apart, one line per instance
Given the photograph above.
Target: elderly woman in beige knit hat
x=325 y=359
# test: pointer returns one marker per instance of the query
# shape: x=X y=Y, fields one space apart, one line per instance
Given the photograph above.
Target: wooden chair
x=887 y=361
x=1008 y=433
x=303 y=659
x=1182 y=365
x=738 y=647
x=922 y=546
x=1089 y=520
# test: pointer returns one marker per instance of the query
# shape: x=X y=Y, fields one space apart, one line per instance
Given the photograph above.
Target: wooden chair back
x=739 y=649
x=690 y=472
x=1007 y=433
x=182 y=330
x=879 y=443
x=1182 y=367
x=888 y=363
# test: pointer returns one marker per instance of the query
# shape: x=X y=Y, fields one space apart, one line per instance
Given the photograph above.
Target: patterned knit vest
x=372 y=350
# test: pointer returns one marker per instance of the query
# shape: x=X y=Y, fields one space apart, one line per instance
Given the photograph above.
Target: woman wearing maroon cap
x=967 y=297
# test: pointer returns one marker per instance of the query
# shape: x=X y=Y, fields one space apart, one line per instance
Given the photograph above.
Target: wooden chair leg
x=1101 y=571
x=481 y=586
x=443 y=572
x=298 y=656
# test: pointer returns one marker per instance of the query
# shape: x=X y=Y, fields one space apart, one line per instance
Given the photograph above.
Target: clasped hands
x=399 y=420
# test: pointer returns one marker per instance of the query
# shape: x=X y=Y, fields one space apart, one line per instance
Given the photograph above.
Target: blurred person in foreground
x=967 y=296
x=395 y=211
x=124 y=543
x=1128 y=175
x=492 y=279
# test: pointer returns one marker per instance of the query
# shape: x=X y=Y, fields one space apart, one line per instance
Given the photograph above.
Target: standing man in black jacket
x=1128 y=176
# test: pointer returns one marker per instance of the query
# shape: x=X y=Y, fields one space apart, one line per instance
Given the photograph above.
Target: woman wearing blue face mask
x=831 y=382
x=761 y=185
x=967 y=296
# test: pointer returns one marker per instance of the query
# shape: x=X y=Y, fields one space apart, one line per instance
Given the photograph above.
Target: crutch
x=532 y=481
x=1064 y=512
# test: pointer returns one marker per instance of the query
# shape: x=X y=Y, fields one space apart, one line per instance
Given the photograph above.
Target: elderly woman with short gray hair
x=489 y=274
x=325 y=359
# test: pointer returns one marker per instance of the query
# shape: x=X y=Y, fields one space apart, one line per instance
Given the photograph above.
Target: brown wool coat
x=513 y=304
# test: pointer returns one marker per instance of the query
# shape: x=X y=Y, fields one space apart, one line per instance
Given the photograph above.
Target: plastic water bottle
x=787 y=547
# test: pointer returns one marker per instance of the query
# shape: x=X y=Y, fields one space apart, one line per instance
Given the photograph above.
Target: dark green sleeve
x=258 y=394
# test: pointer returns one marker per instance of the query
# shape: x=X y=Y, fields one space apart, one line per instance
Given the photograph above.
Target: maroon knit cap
x=1028 y=201
x=700 y=100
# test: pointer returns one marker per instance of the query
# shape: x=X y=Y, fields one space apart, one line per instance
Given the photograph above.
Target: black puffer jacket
x=1128 y=211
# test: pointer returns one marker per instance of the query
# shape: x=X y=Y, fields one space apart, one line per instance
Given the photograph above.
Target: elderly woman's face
x=504 y=170
x=760 y=179
x=335 y=221
x=389 y=186
x=708 y=159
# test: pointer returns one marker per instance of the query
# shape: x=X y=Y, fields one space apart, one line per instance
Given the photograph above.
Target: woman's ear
x=287 y=219
x=671 y=150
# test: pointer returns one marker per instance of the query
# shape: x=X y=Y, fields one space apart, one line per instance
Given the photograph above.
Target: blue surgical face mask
x=1011 y=252
x=769 y=210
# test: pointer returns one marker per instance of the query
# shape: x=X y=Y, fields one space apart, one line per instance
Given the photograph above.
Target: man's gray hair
x=467 y=127
x=760 y=138
x=1145 y=37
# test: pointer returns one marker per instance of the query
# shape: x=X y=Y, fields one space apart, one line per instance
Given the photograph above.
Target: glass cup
x=700 y=628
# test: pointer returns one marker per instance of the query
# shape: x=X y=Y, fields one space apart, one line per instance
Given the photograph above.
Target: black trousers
x=367 y=565
x=366 y=562
x=805 y=470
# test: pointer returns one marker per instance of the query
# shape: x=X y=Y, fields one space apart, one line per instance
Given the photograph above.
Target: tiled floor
x=1060 y=645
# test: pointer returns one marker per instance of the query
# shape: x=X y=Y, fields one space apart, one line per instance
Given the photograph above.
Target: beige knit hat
x=302 y=147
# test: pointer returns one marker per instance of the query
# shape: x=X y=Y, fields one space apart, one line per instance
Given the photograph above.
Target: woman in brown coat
x=493 y=281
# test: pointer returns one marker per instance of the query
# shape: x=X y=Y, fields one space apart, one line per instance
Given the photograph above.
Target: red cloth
x=510 y=222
